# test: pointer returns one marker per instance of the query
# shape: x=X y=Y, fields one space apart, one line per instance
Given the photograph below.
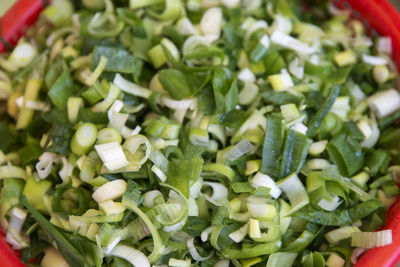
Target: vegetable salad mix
x=197 y=133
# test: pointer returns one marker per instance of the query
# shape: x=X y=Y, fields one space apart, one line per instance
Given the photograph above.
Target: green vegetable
x=61 y=90
x=339 y=217
x=171 y=132
x=118 y=60
x=273 y=142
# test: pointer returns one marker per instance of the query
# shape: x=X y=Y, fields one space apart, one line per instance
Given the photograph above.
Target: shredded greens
x=197 y=133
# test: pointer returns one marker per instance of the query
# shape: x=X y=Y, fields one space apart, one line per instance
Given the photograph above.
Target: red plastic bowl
x=379 y=15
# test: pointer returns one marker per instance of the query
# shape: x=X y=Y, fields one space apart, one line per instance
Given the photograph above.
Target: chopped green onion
x=83 y=139
x=295 y=191
x=109 y=191
x=334 y=260
x=112 y=155
x=371 y=239
x=73 y=106
x=281 y=259
x=131 y=88
x=133 y=256
x=341 y=233
x=385 y=102
x=264 y=180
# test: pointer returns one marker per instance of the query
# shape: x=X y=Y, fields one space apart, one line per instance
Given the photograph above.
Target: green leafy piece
x=206 y=101
x=301 y=243
x=56 y=116
x=86 y=115
x=118 y=60
x=225 y=90
x=175 y=82
x=220 y=236
x=273 y=142
x=182 y=172
x=339 y=76
x=30 y=152
x=295 y=150
x=59 y=139
x=251 y=251
x=273 y=62
x=339 y=217
x=69 y=252
x=377 y=161
x=380 y=181
x=61 y=90
x=321 y=113
x=242 y=187
x=133 y=20
x=219 y=215
x=58 y=201
x=281 y=98
x=233 y=118
x=55 y=70
x=332 y=174
x=346 y=153
x=353 y=131
x=313 y=259
x=133 y=192
x=8 y=136
x=386 y=121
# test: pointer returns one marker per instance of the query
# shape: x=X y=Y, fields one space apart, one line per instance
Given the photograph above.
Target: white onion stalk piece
x=289 y=42
x=255 y=26
x=112 y=155
x=373 y=60
x=371 y=239
x=222 y=263
x=211 y=22
x=262 y=210
x=238 y=235
x=185 y=27
x=205 y=233
x=193 y=251
x=133 y=256
x=52 y=258
x=110 y=191
x=370 y=130
x=330 y=205
x=130 y=87
x=300 y=127
x=46 y=161
x=246 y=75
x=195 y=188
x=160 y=174
x=176 y=227
x=149 y=197
x=220 y=192
x=264 y=180
x=385 y=102
x=282 y=24
x=241 y=148
x=296 y=68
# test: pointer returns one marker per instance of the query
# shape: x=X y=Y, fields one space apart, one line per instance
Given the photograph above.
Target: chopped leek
x=198 y=133
x=371 y=239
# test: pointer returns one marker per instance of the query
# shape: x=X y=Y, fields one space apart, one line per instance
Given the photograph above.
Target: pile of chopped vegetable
x=197 y=133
